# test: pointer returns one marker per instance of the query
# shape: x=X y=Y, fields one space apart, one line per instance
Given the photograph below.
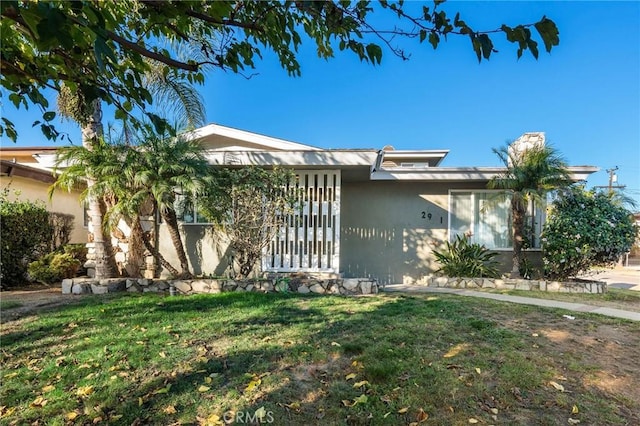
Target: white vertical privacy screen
x=310 y=239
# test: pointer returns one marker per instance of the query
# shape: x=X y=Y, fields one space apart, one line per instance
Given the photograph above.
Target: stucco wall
x=206 y=249
x=62 y=202
x=389 y=229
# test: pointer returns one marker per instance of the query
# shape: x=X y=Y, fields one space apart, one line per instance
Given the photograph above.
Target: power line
x=612 y=178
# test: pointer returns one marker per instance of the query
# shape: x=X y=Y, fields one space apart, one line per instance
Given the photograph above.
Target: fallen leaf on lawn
x=494 y=410
x=350 y=376
x=71 y=415
x=38 y=402
x=85 y=391
x=48 y=388
x=473 y=421
x=357 y=364
x=97 y=420
x=403 y=410
x=162 y=355
x=10 y=375
x=293 y=405
x=335 y=344
x=359 y=384
x=478 y=370
x=252 y=385
x=573 y=421
x=557 y=386
x=386 y=415
x=212 y=420
x=169 y=409
x=85 y=365
x=456 y=350
x=140 y=402
x=362 y=399
x=347 y=403
x=115 y=417
x=163 y=390
x=422 y=416
x=208 y=380
x=4 y=411
x=535 y=334
x=203 y=388
x=575 y=410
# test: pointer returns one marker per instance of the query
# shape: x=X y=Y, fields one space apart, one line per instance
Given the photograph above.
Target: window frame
x=193 y=211
x=539 y=215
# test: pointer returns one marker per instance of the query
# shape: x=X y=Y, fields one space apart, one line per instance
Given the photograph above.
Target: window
x=187 y=210
x=485 y=216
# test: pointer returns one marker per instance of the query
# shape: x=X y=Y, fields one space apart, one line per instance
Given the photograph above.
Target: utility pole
x=613 y=178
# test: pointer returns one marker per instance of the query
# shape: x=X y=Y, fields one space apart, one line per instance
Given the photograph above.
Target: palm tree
x=184 y=103
x=162 y=169
x=529 y=176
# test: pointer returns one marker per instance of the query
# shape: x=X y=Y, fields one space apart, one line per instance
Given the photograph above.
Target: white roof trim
x=306 y=158
x=254 y=138
x=449 y=174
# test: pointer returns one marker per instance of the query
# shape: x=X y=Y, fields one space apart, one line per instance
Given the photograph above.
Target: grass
x=148 y=359
x=9 y=304
x=614 y=297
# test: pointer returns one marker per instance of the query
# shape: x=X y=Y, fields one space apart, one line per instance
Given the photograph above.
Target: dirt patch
x=608 y=346
x=32 y=299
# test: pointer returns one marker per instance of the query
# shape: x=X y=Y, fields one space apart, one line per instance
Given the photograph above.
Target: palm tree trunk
x=169 y=216
x=135 y=259
x=158 y=256
x=518 y=212
x=105 y=265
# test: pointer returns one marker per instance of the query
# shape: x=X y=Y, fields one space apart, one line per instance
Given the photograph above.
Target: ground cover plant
x=288 y=359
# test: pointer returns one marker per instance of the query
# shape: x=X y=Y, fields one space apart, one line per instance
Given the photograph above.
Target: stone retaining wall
x=596 y=287
x=350 y=286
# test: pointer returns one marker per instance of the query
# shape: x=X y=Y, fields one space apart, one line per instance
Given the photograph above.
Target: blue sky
x=585 y=95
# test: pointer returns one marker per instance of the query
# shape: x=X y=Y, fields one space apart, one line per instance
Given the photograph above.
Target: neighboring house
x=28 y=171
x=367 y=212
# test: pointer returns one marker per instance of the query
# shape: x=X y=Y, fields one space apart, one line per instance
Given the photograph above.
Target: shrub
x=585 y=229
x=462 y=259
x=54 y=267
x=25 y=234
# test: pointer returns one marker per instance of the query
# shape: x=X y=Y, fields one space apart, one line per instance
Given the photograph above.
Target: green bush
x=78 y=251
x=25 y=235
x=54 y=267
x=461 y=259
x=585 y=229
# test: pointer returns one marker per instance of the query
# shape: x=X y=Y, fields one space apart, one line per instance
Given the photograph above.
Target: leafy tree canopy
x=101 y=50
x=585 y=229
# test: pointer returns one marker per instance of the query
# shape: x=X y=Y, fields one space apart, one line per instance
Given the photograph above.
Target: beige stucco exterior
x=62 y=202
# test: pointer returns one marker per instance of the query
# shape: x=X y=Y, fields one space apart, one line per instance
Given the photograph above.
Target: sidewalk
x=575 y=307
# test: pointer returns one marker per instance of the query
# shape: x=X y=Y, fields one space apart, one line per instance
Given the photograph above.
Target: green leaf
x=549 y=33
x=374 y=52
x=434 y=39
x=49 y=115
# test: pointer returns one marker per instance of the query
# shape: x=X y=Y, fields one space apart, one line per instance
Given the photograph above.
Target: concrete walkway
x=575 y=307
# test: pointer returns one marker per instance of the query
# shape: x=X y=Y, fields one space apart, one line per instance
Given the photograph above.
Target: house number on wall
x=429 y=216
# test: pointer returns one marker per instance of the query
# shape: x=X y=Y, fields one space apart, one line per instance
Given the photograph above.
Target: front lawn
x=614 y=297
x=288 y=359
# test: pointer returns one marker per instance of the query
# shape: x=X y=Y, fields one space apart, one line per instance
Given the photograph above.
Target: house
x=29 y=171
x=375 y=213
x=372 y=213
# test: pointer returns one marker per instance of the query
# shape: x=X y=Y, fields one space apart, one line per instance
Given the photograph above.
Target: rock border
x=592 y=287
x=301 y=285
